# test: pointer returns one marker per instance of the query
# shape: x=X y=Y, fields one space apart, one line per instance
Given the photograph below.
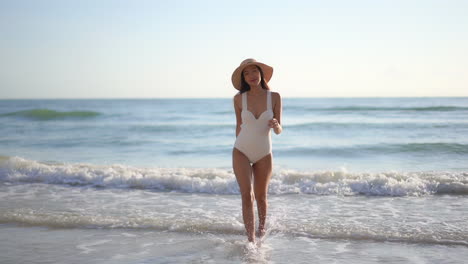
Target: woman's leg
x=243 y=172
x=262 y=174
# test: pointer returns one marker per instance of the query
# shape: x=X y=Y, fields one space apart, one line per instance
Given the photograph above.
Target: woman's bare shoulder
x=275 y=96
x=237 y=98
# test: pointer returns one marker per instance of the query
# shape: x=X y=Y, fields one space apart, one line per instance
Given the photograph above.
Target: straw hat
x=236 y=75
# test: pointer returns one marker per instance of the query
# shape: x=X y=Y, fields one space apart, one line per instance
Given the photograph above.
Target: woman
x=257 y=111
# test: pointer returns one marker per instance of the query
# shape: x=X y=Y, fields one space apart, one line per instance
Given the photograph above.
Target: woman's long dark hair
x=245 y=86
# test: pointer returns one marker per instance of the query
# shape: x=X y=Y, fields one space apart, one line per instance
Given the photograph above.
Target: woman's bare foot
x=261 y=232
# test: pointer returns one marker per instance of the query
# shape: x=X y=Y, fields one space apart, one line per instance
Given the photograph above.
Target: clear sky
x=174 y=48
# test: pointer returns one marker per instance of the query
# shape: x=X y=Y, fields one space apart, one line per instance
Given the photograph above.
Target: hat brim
x=237 y=74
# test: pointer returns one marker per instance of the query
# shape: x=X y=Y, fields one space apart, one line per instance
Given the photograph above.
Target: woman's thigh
x=242 y=170
x=262 y=174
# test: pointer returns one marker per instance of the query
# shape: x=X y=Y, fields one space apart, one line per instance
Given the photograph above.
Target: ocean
x=355 y=180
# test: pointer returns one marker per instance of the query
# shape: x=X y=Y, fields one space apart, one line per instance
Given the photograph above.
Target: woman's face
x=252 y=75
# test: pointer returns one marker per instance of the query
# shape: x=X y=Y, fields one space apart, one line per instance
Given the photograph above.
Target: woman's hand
x=273 y=123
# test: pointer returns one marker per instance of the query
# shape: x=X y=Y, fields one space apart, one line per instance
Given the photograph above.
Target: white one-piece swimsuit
x=254 y=139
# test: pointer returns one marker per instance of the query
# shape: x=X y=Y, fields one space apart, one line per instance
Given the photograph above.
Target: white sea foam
x=222 y=181
x=220 y=225
x=162 y=222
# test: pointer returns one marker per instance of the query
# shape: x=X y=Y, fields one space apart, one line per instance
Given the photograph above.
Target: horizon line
x=188 y=98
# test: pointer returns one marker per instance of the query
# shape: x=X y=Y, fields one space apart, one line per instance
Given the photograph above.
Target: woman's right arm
x=238 y=111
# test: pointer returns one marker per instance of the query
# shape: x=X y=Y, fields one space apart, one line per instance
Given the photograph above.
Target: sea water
x=358 y=180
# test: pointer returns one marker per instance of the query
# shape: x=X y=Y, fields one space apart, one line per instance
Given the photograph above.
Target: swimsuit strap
x=269 y=100
x=244 y=101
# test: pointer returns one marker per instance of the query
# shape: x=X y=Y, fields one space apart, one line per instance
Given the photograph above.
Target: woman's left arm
x=275 y=123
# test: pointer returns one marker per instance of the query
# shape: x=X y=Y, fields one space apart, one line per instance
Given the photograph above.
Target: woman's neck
x=256 y=90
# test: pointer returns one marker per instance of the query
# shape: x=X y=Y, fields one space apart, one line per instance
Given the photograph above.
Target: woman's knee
x=248 y=197
x=261 y=197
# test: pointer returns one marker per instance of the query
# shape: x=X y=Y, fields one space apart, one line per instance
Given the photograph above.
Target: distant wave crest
x=222 y=181
x=48 y=114
x=441 y=108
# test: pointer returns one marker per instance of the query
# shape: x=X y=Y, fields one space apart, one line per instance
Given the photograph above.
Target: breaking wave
x=222 y=181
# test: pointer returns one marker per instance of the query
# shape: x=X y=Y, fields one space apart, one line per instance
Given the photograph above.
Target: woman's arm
x=238 y=111
x=275 y=123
